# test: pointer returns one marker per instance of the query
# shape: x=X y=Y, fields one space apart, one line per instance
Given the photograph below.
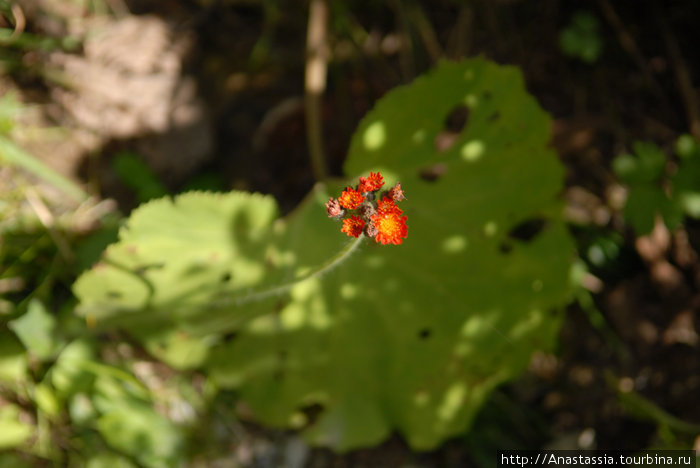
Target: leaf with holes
x=409 y=338
x=414 y=337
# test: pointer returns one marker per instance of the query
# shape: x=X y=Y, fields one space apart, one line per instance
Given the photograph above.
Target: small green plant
x=581 y=38
x=60 y=403
x=133 y=171
x=409 y=337
x=56 y=391
x=657 y=188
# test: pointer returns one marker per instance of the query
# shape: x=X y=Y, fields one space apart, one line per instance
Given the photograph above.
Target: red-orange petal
x=353 y=226
x=350 y=198
x=387 y=206
x=391 y=228
x=375 y=181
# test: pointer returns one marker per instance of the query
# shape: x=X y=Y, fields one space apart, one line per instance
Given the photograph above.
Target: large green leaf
x=179 y=260
x=410 y=337
x=414 y=337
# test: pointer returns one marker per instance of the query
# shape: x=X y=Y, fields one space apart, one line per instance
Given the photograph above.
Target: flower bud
x=367 y=210
x=370 y=229
x=395 y=193
x=333 y=208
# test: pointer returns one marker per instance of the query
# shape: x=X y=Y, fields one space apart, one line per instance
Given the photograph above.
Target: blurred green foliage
x=53 y=408
x=133 y=171
x=656 y=187
x=12 y=154
x=581 y=38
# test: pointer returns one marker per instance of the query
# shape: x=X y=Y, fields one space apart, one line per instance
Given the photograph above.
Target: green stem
x=231 y=321
x=322 y=269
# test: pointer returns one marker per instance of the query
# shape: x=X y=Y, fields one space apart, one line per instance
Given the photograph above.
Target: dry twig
x=685 y=84
x=426 y=32
x=20 y=23
x=317 y=53
x=47 y=220
x=630 y=46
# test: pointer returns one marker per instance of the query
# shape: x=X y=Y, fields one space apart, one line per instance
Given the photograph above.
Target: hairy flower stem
x=322 y=269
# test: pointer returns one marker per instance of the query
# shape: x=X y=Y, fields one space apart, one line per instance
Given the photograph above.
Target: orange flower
x=371 y=183
x=387 y=206
x=350 y=198
x=381 y=218
x=391 y=227
x=353 y=226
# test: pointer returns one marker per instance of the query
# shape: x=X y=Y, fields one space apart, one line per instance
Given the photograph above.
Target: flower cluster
x=366 y=211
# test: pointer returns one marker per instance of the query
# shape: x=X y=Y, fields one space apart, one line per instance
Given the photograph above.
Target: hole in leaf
x=505 y=247
x=312 y=413
x=425 y=333
x=226 y=277
x=528 y=229
x=445 y=140
x=230 y=336
x=457 y=119
x=114 y=294
x=455 y=122
x=432 y=173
